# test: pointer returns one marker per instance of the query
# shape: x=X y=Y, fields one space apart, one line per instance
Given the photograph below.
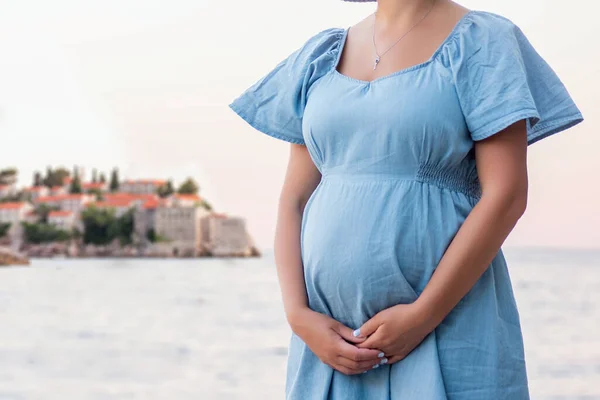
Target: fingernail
x=356 y=333
x=383 y=361
x=375 y=366
x=381 y=355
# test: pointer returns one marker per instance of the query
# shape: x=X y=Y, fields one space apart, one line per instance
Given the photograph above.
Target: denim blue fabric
x=398 y=180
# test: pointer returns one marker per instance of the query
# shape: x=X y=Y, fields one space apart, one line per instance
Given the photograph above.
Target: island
x=63 y=214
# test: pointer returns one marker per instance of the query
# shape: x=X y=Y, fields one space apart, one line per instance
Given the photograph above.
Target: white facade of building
x=143 y=221
x=7 y=190
x=181 y=227
x=36 y=192
x=121 y=207
x=13 y=214
x=227 y=236
x=59 y=190
x=140 y=186
x=185 y=200
x=68 y=202
x=64 y=220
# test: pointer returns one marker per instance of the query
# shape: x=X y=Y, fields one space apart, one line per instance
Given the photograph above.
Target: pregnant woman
x=407 y=171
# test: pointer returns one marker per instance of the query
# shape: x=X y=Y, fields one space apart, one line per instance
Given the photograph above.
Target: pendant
x=376 y=62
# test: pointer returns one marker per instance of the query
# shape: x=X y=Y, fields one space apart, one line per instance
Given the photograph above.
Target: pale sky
x=144 y=84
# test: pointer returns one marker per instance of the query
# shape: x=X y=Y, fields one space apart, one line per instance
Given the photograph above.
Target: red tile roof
x=62 y=197
x=60 y=214
x=113 y=203
x=34 y=188
x=193 y=197
x=131 y=196
x=151 y=204
x=12 y=206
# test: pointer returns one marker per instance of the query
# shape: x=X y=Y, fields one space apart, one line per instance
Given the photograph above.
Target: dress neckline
x=344 y=38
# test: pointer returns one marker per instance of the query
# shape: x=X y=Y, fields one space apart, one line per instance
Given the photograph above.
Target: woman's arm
x=326 y=337
x=301 y=179
x=502 y=169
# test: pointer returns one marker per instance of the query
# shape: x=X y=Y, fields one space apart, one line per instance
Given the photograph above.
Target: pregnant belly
x=368 y=245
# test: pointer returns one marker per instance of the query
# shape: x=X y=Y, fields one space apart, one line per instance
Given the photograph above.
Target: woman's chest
x=414 y=116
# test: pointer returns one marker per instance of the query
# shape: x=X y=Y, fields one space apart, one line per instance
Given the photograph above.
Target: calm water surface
x=215 y=329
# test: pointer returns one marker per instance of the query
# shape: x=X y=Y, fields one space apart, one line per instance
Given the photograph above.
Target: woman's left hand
x=396 y=331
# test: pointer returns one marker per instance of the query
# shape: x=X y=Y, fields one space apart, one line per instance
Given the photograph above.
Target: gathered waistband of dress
x=457 y=180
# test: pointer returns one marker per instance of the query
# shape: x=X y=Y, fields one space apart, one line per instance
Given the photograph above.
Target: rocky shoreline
x=115 y=250
x=9 y=257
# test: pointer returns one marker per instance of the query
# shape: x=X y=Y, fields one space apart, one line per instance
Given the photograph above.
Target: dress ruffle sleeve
x=500 y=79
x=275 y=104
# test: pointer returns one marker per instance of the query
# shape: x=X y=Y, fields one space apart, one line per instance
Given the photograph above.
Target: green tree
x=76 y=184
x=43 y=210
x=153 y=237
x=55 y=177
x=114 y=180
x=166 y=190
x=98 y=225
x=150 y=235
x=77 y=234
x=188 y=187
x=13 y=199
x=101 y=226
x=37 y=179
x=8 y=176
x=125 y=227
x=94 y=176
x=4 y=228
x=9 y=172
x=97 y=193
x=102 y=177
x=48 y=177
x=43 y=233
x=206 y=205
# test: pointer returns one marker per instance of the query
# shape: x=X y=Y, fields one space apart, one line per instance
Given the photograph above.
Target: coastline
x=9 y=257
x=115 y=250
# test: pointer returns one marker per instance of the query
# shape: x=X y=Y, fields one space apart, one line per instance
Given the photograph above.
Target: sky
x=144 y=85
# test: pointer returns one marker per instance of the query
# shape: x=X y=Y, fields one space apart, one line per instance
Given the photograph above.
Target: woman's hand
x=396 y=331
x=328 y=339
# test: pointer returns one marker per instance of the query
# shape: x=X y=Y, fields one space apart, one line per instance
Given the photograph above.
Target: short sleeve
x=501 y=79
x=275 y=104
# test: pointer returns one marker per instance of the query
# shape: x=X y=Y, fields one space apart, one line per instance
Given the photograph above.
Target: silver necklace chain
x=377 y=55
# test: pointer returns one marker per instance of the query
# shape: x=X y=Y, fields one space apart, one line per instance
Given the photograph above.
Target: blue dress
x=398 y=179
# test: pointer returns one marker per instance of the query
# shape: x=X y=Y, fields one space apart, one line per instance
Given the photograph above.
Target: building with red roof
x=7 y=190
x=64 y=220
x=99 y=186
x=141 y=186
x=121 y=206
x=59 y=190
x=186 y=200
x=13 y=213
x=34 y=192
x=67 y=202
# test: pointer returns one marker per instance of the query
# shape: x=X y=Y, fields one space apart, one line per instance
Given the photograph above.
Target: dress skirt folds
x=398 y=179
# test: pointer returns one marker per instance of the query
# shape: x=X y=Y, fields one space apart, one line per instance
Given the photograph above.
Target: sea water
x=215 y=329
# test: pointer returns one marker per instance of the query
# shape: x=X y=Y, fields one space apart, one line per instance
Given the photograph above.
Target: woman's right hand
x=328 y=339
